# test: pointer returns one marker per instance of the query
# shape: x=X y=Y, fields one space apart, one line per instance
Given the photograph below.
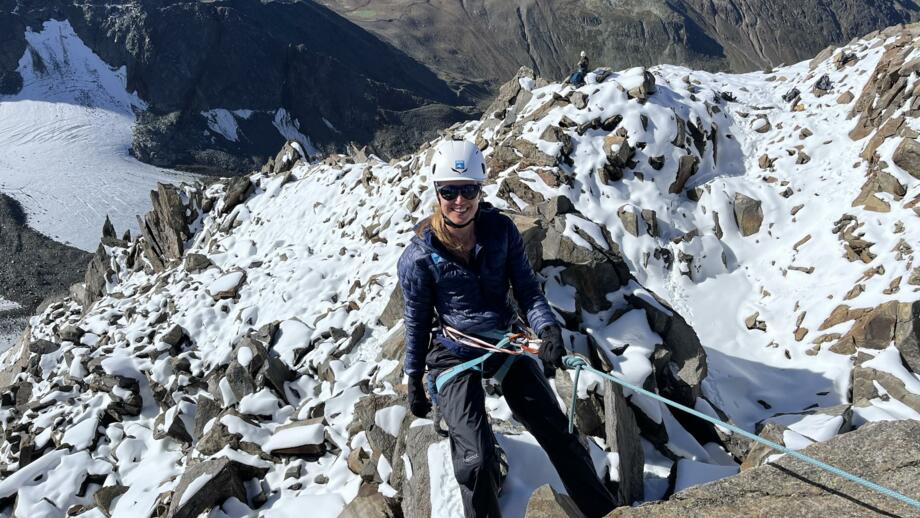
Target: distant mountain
x=487 y=40
x=227 y=82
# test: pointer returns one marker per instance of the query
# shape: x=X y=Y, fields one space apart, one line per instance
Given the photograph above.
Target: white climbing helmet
x=583 y=53
x=458 y=160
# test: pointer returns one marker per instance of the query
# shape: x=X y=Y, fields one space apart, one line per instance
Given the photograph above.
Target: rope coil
x=579 y=363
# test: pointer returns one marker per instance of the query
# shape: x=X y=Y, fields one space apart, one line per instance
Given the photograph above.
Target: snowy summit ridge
x=740 y=243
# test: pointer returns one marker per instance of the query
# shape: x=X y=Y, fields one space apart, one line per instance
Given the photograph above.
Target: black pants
x=533 y=404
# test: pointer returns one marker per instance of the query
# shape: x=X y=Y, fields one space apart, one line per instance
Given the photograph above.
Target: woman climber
x=455 y=276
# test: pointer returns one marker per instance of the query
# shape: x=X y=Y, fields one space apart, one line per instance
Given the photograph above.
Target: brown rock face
x=165 y=227
x=687 y=167
x=546 y=502
x=879 y=182
x=748 y=214
x=886 y=93
x=888 y=453
x=877 y=328
x=907 y=157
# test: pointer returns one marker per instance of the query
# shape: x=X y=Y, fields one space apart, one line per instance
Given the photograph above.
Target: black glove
x=551 y=350
x=418 y=401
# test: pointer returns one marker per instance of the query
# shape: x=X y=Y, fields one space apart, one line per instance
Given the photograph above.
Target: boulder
x=43 y=347
x=618 y=150
x=752 y=322
x=856 y=248
x=208 y=484
x=630 y=218
x=370 y=503
x=822 y=86
x=105 y=497
x=761 y=124
x=207 y=409
x=178 y=423
x=175 y=336
x=393 y=311
x=579 y=99
x=645 y=88
x=555 y=206
x=773 y=431
x=165 y=227
x=195 y=263
x=238 y=190
x=877 y=328
x=866 y=383
x=686 y=167
x=680 y=362
x=907 y=157
x=533 y=234
x=217 y=437
x=71 y=333
x=372 y=414
x=416 y=489
x=98 y=275
x=511 y=97
x=650 y=218
x=287 y=158
x=589 y=412
x=879 y=182
x=546 y=502
x=622 y=435
x=513 y=189
x=748 y=214
x=846 y=97
x=888 y=453
x=228 y=285
x=907 y=334
x=594 y=273
x=558 y=135
x=301 y=438
x=759 y=453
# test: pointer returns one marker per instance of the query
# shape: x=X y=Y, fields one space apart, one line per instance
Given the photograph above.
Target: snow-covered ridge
x=260 y=355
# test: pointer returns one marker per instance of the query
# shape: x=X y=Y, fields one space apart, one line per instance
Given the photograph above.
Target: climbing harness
x=579 y=363
x=509 y=343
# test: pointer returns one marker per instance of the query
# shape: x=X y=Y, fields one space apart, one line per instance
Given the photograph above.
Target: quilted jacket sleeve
x=524 y=283
x=418 y=287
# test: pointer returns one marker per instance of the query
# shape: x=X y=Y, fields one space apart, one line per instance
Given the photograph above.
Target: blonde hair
x=436 y=222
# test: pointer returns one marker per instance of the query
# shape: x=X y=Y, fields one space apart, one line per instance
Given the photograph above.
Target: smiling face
x=459 y=210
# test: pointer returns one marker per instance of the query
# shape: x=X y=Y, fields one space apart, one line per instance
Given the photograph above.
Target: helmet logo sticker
x=459 y=165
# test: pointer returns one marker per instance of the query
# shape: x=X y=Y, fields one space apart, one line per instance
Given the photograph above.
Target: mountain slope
x=293 y=67
x=486 y=40
x=243 y=354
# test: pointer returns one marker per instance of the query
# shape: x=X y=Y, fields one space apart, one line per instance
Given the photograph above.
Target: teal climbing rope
x=578 y=363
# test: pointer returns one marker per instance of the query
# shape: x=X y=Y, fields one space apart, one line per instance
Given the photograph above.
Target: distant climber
x=578 y=77
x=456 y=274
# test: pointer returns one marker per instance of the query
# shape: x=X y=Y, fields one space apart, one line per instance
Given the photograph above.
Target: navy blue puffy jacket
x=470 y=298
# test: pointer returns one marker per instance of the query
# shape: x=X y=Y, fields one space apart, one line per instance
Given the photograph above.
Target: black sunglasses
x=469 y=191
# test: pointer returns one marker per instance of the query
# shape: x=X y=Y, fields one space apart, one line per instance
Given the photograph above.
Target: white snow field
x=65 y=141
x=319 y=250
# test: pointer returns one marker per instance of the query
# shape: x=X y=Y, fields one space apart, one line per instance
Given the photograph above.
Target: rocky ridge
x=243 y=352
